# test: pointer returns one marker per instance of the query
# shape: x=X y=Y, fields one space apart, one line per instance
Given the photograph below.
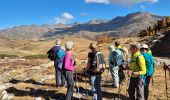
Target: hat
x=111 y=48
x=144 y=46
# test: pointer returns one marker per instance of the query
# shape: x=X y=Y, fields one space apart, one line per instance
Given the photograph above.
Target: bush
x=40 y=56
x=9 y=56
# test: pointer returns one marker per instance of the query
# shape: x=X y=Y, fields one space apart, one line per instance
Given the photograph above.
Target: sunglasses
x=143 y=49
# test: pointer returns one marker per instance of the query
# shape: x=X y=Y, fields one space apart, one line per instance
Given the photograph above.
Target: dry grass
x=29 y=85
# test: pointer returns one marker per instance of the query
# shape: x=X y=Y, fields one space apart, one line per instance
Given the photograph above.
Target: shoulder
x=140 y=58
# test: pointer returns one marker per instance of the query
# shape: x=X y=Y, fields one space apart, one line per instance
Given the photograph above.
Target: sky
x=39 y=12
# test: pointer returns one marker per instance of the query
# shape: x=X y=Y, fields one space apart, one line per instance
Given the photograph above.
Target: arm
x=88 y=64
x=49 y=51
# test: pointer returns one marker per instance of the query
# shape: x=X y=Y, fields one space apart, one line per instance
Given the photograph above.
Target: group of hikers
x=139 y=68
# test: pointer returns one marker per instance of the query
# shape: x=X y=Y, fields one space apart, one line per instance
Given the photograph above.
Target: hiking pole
x=166 y=85
x=127 y=86
x=119 y=90
x=77 y=86
x=153 y=87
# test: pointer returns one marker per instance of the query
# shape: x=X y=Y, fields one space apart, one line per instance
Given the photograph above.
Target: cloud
x=98 y=1
x=121 y=2
x=65 y=17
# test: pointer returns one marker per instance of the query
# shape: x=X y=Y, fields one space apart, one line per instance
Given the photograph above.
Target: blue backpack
x=60 y=58
x=149 y=63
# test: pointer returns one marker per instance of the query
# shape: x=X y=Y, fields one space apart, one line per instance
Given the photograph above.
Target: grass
x=7 y=55
x=36 y=56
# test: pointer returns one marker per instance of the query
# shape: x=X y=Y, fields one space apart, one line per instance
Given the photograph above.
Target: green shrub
x=7 y=55
x=40 y=56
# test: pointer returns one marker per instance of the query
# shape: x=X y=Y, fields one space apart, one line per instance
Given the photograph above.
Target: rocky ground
x=22 y=79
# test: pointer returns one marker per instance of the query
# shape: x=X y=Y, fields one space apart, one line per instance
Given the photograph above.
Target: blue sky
x=27 y=12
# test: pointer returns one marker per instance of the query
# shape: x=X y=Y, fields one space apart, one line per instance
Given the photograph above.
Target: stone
x=38 y=98
x=161 y=61
x=7 y=96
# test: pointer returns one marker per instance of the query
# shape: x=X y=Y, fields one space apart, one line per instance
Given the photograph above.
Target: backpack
x=124 y=51
x=113 y=60
x=149 y=61
x=60 y=55
x=98 y=63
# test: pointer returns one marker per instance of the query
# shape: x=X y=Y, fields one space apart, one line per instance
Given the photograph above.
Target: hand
x=129 y=72
x=136 y=73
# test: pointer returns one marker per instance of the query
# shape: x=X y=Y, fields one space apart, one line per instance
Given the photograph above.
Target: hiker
x=120 y=63
x=94 y=72
x=54 y=52
x=69 y=68
x=113 y=65
x=136 y=73
x=149 y=60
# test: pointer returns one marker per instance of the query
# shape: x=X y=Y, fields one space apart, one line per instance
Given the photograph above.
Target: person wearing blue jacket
x=149 y=68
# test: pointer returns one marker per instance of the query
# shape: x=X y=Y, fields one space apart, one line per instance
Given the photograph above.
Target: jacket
x=141 y=62
x=69 y=62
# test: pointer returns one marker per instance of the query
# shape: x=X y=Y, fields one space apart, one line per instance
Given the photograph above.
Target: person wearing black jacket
x=51 y=56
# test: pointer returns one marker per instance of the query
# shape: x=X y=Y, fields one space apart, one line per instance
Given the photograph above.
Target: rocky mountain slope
x=130 y=24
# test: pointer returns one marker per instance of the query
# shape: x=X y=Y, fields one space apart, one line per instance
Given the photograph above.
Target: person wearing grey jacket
x=113 y=65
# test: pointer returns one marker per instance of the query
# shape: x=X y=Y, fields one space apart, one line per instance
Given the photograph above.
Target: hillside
x=129 y=25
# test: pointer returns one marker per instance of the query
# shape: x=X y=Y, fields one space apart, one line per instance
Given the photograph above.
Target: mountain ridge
x=129 y=25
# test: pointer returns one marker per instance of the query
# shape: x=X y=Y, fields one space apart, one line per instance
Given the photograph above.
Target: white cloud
x=65 y=17
x=122 y=2
x=98 y=1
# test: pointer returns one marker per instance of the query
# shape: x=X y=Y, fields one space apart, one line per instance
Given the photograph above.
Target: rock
x=7 y=96
x=161 y=61
x=36 y=67
x=38 y=98
x=51 y=63
x=2 y=87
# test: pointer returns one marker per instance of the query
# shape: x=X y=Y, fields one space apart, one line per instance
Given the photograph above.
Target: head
x=111 y=48
x=58 y=42
x=69 y=45
x=134 y=47
x=144 y=48
x=117 y=43
x=93 y=46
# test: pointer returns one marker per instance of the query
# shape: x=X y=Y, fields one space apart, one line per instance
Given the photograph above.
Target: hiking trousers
x=121 y=74
x=59 y=76
x=146 y=87
x=138 y=85
x=114 y=72
x=70 y=83
x=95 y=86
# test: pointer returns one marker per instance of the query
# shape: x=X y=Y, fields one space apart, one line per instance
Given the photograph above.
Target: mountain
x=129 y=25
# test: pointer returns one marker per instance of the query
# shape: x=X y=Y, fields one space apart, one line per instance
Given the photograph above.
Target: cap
x=144 y=46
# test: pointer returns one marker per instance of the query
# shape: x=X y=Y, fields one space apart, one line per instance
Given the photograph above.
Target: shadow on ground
x=47 y=95
x=31 y=81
